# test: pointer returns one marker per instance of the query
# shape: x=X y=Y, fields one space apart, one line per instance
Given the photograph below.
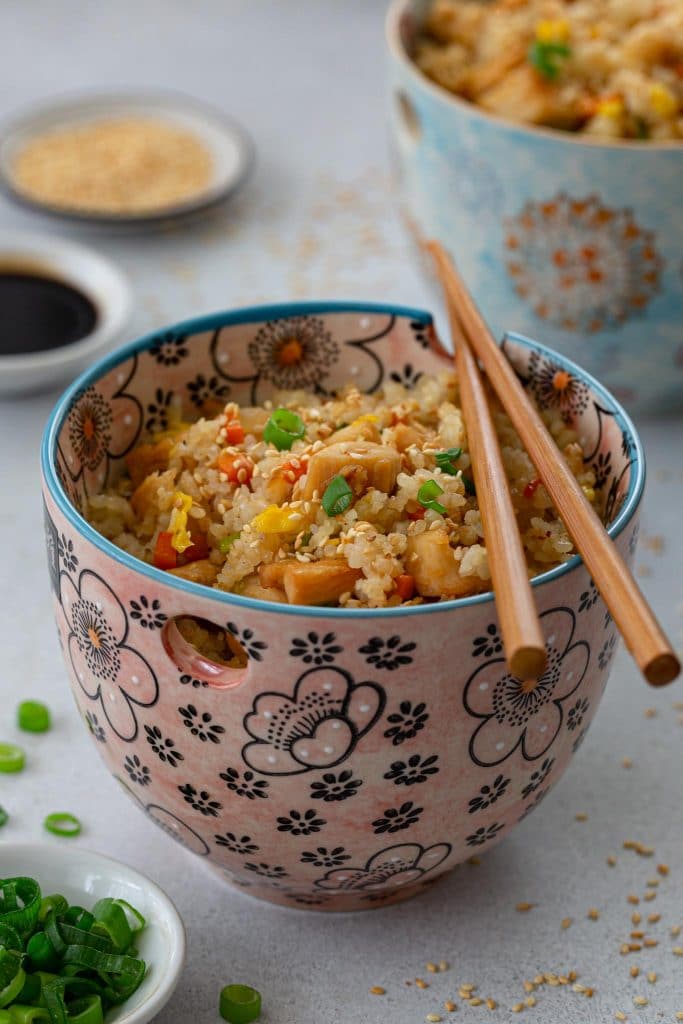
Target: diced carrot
x=238 y=468
x=165 y=555
x=234 y=432
x=419 y=513
x=405 y=586
x=531 y=488
x=198 y=549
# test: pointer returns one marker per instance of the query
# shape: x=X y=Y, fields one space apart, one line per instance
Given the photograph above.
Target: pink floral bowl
x=360 y=754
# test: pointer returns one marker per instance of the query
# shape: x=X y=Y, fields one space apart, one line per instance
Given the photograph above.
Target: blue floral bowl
x=554 y=233
x=360 y=753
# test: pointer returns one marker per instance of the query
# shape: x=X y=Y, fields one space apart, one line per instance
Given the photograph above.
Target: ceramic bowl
x=361 y=753
x=555 y=234
x=85 y=877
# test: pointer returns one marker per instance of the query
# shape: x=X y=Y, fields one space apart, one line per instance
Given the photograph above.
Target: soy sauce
x=38 y=313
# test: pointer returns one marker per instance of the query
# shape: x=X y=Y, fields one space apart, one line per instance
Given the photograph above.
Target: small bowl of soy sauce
x=61 y=306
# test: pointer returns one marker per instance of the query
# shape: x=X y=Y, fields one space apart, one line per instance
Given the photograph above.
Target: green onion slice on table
x=284 y=428
x=240 y=1004
x=11 y=758
x=61 y=823
x=32 y=716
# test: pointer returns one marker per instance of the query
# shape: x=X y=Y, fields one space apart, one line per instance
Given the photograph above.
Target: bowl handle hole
x=408 y=118
x=209 y=654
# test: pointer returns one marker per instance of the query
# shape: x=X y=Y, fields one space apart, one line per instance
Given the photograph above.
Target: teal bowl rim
x=253 y=314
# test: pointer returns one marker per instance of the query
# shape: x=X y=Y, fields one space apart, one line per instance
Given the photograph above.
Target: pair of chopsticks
x=521 y=630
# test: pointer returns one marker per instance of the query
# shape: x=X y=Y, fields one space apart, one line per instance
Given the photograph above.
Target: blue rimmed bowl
x=360 y=753
x=555 y=233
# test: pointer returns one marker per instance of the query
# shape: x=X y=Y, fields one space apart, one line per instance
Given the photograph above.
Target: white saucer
x=92 y=275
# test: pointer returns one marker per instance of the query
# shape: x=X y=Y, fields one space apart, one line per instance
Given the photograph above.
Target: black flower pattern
x=533 y=804
x=95 y=728
x=107 y=668
x=315 y=649
x=52 y=551
x=407 y=722
x=201 y=724
x=557 y=388
x=137 y=771
x=169 y=350
x=66 y=553
x=527 y=714
x=188 y=680
x=395 y=867
x=422 y=332
x=299 y=823
x=608 y=619
x=397 y=818
x=307 y=900
x=267 y=870
x=607 y=652
x=633 y=540
x=206 y=389
x=164 y=748
x=579 y=739
x=200 y=800
x=147 y=613
x=488 y=644
x=484 y=834
x=336 y=787
x=602 y=467
x=413 y=771
x=159 y=411
x=408 y=376
x=245 y=638
x=242 y=845
x=588 y=597
x=489 y=794
x=388 y=654
x=294 y=352
x=324 y=858
x=90 y=423
x=577 y=713
x=245 y=784
x=538 y=777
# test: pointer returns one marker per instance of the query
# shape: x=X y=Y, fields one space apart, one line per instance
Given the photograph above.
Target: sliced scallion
x=337 y=497
x=427 y=495
x=240 y=1004
x=284 y=428
x=62 y=823
x=227 y=542
x=446 y=460
x=32 y=716
x=12 y=758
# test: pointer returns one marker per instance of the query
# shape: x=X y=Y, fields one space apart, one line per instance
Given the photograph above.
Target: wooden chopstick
x=633 y=616
x=525 y=650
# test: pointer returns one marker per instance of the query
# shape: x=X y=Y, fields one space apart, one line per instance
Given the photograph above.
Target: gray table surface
x=318 y=220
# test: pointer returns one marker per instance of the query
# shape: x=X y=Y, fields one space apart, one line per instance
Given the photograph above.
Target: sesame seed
x=529 y=986
x=433 y=1018
x=663 y=869
x=635 y=971
x=517 y=1008
x=432 y=968
x=581 y=816
x=677 y=951
x=611 y=860
x=627 y=763
x=539 y=979
x=633 y=899
x=676 y=930
x=530 y=1000
x=572 y=976
x=523 y=907
x=620 y=1016
x=476 y=1001
x=443 y=965
x=636 y=917
x=450 y=1006
x=651 y=977
x=566 y=922
x=491 y=1004
x=468 y=987
x=563 y=980
x=637 y=935
x=421 y=983
x=649 y=896
x=639 y=1001
x=588 y=993
x=623 y=949
x=653 y=918
x=593 y=914
x=650 y=712
x=652 y=883
x=377 y=990
x=679 y=1015
x=578 y=988
x=650 y=943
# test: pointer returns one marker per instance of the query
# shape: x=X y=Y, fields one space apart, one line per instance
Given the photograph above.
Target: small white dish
x=84 y=877
x=89 y=273
x=229 y=146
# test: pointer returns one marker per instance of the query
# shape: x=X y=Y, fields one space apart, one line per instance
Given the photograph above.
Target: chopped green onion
x=30 y=993
x=56 y=902
x=284 y=428
x=20 y=1014
x=445 y=460
x=10 y=992
x=5 y=1017
x=111 y=921
x=427 y=495
x=41 y=952
x=9 y=937
x=240 y=1004
x=337 y=497
x=32 y=716
x=21 y=918
x=4 y=817
x=227 y=542
x=136 y=921
x=86 y=1010
x=546 y=57
x=79 y=917
x=62 y=823
x=11 y=758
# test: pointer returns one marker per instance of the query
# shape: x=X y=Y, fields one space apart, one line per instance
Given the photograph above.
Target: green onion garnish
x=240 y=1004
x=547 y=57
x=11 y=758
x=62 y=964
x=284 y=428
x=32 y=716
x=445 y=460
x=62 y=823
x=427 y=496
x=227 y=542
x=337 y=497
x=4 y=817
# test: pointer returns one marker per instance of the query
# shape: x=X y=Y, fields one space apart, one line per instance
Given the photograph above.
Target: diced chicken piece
x=523 y=96
x=493 y=72
x=253 y=418
x=201 y=571
x=273 y=574
x=144 y=497
x=148 y=458
x=381 y=465
x=362 y=429
x=320 y=582
x=431 y=560
x=251 y=586
x=405 y=436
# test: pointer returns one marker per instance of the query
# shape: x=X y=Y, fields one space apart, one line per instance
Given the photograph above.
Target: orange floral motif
x=580 y=265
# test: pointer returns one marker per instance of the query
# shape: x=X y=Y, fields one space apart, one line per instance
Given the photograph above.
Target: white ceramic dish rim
x=252 y=314
x=164 y=975
x=393 y=18
x=94 y=275
x=72 y=108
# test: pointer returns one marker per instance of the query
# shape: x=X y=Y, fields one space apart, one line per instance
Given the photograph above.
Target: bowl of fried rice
x=542 y=142
x=273 y=594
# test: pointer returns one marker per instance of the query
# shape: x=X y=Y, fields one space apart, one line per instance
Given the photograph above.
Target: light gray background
x=318 y=221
